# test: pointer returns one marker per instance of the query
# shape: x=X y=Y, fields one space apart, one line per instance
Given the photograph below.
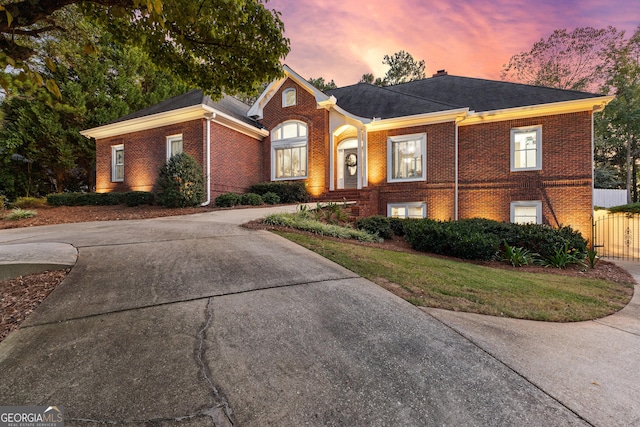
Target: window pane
x=406 y=159
x=290 y=130
x=525 y=149
x=398 y=212
x=289 y=97
x=415 y=212
x=525 y=215
x=119 y=171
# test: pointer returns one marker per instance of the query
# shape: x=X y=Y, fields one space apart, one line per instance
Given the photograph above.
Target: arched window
x=289 y=150
x=289 y=97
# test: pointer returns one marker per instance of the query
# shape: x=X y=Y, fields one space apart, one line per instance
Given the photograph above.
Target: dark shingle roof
x=365 y=100
x=228 y=105
x=443 y=93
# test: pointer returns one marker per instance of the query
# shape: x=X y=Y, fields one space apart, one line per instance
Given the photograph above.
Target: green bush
x=18 y=213
x=137 y=198
x=227 y=200
x=251 y=199
x=289 y=192
x=3 y=202
x=180 y=182
x=629 y=208
x=378 y=224
x=29 y=202
x=271 y=198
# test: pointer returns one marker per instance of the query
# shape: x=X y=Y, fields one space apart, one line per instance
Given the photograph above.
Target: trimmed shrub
x=378 y=224
x=270 y=198
x=180 y=182
x=137 y=198
x=289 y=192
x=251 y=199
x=482 y=238
x=452 y=238
x=227 y=200
x=101 y=199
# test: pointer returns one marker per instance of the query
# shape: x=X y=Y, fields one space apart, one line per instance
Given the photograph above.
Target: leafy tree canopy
x=319 y=83
x=565 y=60
x=222 y=46
x=402 y=68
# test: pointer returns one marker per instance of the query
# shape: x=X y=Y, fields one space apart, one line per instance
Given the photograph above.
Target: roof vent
x=440 y=73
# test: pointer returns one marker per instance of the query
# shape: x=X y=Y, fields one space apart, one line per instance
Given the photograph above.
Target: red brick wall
x=144 y=154
x=317 y=121
x=235 y=157
x=235 y=161
x=563 y=185
x=438 y=189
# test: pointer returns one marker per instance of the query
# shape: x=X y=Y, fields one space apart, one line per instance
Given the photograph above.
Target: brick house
x=445 y=147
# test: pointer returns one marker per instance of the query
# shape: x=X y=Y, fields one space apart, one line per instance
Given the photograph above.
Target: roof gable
x=257 y=109
x=229 y=111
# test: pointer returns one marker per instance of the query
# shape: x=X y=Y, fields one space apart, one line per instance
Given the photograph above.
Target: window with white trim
x=526 y=212
x=117 y=163
x=407 y=210
x=174 y=145
x=289 y=151
x=526 y=148
x=289 y=97
x=406 y=158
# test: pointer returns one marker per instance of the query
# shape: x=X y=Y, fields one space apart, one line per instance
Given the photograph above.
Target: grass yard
x=454 y=285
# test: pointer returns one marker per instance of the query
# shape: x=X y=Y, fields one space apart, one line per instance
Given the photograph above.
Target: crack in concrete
x=221 y=414
x=214 y=413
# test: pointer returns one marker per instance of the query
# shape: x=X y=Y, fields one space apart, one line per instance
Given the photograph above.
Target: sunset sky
x=341 y=40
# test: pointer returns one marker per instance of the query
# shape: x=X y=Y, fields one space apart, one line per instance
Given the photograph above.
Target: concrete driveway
x=193 y=320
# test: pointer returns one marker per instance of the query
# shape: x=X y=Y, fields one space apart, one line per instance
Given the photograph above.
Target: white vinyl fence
x=607 y=198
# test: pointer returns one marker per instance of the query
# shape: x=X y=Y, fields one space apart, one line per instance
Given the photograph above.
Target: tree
x=219 y=45
x=41 y=148
x=319 y=83
x=618 y=127
x=402 y=68
x=565 y=60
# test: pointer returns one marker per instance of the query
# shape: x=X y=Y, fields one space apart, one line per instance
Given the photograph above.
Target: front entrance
x=351 y=168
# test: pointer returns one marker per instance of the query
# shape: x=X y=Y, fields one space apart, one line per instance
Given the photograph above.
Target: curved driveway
x=192 y=320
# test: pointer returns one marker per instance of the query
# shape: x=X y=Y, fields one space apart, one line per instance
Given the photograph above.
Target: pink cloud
x=342 y=41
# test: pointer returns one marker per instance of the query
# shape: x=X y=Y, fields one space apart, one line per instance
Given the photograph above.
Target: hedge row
x=482 y=238
x=288 y=192
x=130 y=198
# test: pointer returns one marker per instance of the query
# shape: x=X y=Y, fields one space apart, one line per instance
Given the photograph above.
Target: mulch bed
x=20 y=296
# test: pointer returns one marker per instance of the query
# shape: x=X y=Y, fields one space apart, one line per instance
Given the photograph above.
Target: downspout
x=456 y=171
x=208 y=117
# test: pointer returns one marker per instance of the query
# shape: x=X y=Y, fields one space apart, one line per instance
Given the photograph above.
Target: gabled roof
x=229 y=111
x=229 y=105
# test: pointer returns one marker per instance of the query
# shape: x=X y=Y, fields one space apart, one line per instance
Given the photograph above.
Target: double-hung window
x=117 y=163
x=526 y=148
x=406 y=157
x=289 y=151
x=526 y=212
x=174 y=145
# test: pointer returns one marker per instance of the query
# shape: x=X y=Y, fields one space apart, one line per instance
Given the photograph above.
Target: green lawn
x=434 y=282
